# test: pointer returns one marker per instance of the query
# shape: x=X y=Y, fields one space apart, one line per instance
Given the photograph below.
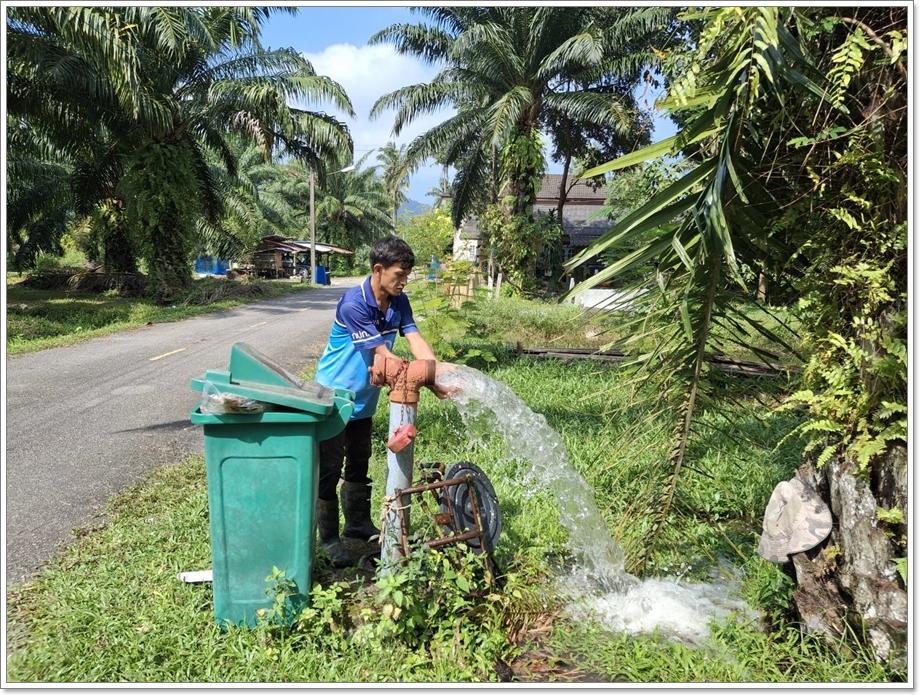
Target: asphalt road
x=87 y=421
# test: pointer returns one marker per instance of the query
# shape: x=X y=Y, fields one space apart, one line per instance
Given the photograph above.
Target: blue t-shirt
x=359 y=327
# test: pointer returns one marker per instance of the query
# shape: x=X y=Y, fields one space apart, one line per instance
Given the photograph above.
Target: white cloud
x=367 y=73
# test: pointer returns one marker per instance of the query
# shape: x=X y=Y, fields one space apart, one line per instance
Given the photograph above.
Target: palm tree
x=161 y=89
x=794 y=148
x=441 y=192
x=506 y=70
x=509 y=71
x=39 y=207
x=396 y=171
x=353 y=209
x=254 y=206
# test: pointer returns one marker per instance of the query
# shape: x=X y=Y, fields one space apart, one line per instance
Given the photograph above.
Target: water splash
x=605 y=590
x=677 y=610
x=489 y=405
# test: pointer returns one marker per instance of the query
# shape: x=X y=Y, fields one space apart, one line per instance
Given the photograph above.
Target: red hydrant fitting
x=404 y=378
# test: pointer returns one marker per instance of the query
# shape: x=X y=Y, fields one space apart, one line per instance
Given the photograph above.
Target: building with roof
x=581 y=221
x=281 y=257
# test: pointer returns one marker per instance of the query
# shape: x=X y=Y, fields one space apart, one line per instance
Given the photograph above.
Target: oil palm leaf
x=713 y=205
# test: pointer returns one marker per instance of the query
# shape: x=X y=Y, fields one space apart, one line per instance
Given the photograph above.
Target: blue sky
x=334 y=40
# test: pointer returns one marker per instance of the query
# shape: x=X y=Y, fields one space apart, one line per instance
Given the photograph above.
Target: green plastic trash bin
x=262 y=471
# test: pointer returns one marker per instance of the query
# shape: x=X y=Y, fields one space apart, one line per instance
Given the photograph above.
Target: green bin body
x=263 y=473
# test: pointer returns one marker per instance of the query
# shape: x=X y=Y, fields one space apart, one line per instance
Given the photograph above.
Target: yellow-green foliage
x=429 y=234
x=856 y=316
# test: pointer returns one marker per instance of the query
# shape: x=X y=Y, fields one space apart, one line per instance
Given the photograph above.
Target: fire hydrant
x=405 y=379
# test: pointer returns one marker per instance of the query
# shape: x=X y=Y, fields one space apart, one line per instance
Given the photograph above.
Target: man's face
x=392 y=279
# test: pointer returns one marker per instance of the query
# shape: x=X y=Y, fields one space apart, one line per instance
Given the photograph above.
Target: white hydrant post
x=399 y=476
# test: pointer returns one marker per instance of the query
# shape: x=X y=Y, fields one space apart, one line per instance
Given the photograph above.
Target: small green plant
x=890 y=516
x=892 y=523
x=900 y=564
x=326 y=618
x=432 y=594
x=768 y=587
x=446 y=322
x=286 y=599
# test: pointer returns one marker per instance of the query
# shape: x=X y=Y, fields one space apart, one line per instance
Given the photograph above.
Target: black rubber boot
x=356 y=505
x=327 y=514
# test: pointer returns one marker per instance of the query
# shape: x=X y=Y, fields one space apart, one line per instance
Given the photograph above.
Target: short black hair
x=390 y=251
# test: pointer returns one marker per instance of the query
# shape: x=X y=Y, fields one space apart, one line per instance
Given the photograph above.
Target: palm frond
x=605 y=110
x=415 y=100
x=506 y=113
x=429 y=44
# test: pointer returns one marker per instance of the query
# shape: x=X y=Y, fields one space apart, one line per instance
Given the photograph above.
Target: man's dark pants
x=353 y=446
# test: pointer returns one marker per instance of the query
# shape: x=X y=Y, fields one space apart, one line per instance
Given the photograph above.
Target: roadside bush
x=123 y=284
x=212 y=290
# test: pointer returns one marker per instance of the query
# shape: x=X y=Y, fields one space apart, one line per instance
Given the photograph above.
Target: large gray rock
x=852 y=574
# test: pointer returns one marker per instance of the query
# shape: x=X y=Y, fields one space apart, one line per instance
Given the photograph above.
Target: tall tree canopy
x=508 y=71
x=137 y=103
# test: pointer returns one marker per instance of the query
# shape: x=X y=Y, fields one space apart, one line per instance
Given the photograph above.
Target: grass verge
x=110 y=609
x=41 y=319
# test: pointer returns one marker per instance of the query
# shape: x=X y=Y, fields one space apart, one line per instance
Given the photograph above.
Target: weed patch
x=110 y=608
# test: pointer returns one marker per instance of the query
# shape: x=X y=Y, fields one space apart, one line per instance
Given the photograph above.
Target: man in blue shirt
x=367 y=320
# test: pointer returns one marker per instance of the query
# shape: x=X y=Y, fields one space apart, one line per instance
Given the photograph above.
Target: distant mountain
x=413 y=207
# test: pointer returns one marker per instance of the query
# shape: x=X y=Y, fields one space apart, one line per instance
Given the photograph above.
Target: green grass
x=474 y=332
x=41 y=319
x=735 y=654
x=109 y=607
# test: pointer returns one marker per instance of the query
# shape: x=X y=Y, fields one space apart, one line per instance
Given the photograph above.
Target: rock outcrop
x=851 y=577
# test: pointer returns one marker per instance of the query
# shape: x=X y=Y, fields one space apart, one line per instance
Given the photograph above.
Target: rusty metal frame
x=442 y=519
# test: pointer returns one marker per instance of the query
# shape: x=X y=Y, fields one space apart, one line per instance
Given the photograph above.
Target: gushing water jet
x=598 y=584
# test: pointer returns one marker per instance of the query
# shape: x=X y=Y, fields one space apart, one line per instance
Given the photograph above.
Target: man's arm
x=419 y=347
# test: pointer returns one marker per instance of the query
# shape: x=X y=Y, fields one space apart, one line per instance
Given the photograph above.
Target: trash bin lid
x=252 y=374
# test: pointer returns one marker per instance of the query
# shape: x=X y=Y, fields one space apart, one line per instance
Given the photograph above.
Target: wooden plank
x=738 y=367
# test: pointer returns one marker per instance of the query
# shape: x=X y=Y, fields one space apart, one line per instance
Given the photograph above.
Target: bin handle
x=330 y=427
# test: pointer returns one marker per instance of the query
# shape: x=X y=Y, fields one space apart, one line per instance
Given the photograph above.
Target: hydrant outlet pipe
x=399 y=476
x=405 y=380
